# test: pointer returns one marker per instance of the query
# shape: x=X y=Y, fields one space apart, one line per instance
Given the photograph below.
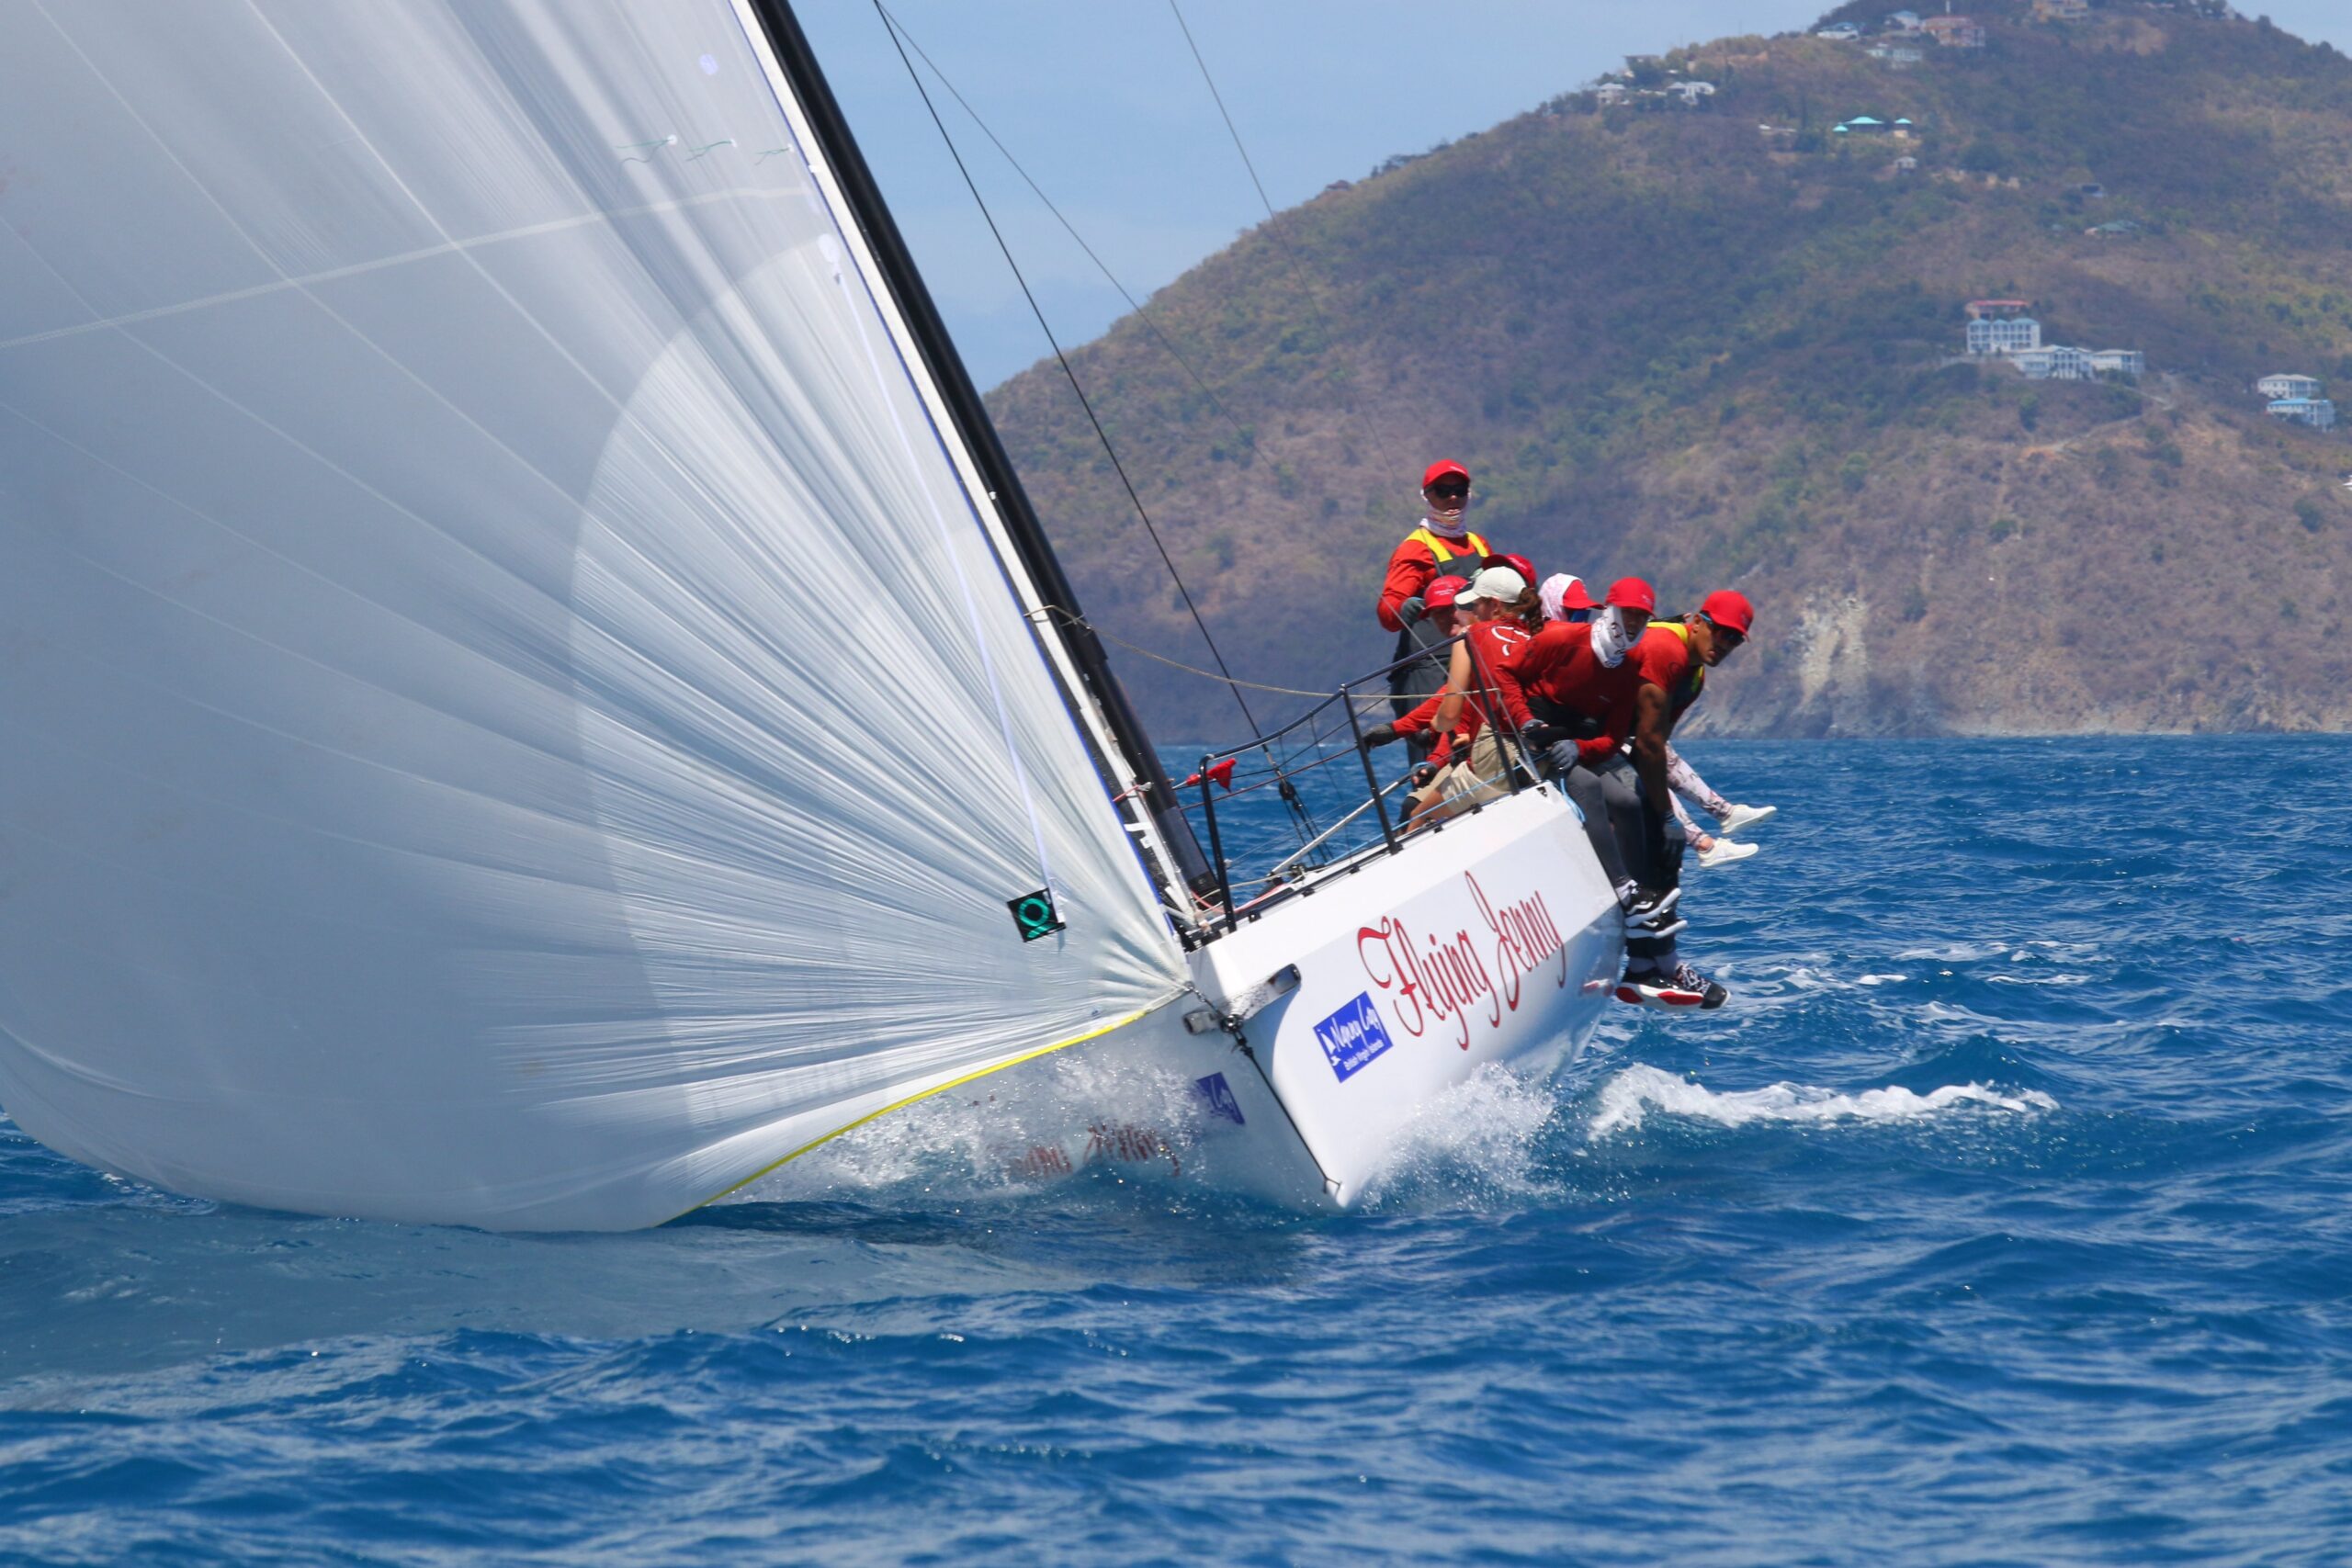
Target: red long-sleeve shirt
x=1558 y=665
x=1414 y=566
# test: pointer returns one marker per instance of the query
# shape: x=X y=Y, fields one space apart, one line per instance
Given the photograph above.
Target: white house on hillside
x=2317 y=413
x=2287 y=386
x=2055 y=363
x=2010 y=334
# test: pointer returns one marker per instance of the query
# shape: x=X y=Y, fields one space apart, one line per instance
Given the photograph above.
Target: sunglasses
x=1449 y=490
x=1728 y=638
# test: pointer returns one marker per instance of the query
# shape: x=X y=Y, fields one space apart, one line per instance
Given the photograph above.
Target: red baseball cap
x=1631 y=593
x=1440 y=469
x=1442 y=592
x=1729 y=609
x=1519 y=564
x=1574 y=595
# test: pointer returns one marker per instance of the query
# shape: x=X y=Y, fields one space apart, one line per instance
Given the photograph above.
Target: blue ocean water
x=2002 y=1218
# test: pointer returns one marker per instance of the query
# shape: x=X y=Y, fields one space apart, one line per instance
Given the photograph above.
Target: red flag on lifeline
x=1222 y=773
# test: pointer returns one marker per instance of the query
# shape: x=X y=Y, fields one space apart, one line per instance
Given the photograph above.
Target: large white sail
x=508 y=713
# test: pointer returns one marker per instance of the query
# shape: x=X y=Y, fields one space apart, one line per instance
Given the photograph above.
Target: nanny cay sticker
x=1353 y=1036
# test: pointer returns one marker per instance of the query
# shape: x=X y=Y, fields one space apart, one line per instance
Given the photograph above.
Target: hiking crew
x=1590 y=690
x=1672 y=661
x=1442 y=545
x=1572 y=695
x=1682 y=652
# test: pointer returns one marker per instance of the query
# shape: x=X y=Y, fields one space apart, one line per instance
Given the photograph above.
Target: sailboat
x=531 y=695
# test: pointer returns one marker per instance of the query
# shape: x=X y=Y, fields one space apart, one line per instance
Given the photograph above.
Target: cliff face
x=1672 y=342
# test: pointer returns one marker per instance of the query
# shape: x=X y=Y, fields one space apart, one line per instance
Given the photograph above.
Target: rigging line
x=1069 y=619
x=1100 y=265
x=1274 y=227
x=1302 y=819
x=1071 y=375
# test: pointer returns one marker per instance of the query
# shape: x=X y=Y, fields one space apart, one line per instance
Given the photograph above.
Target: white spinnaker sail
x=507 y=714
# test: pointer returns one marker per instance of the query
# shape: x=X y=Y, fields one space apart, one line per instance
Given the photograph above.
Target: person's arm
x=1419 y=718
x=1410 y=570
x=1652 y=718
x=1457 y=682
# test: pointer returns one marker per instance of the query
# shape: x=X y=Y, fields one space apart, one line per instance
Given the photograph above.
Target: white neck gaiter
x=1457 y=529
x=1610 y=638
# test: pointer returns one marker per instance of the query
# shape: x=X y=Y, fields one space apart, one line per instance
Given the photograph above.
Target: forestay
x=507 y=713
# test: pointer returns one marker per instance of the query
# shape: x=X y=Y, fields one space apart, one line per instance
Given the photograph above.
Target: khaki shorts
x=1462 y=785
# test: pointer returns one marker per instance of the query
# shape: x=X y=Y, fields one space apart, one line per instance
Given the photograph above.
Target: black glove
x=1411 y=610
x=1540 y=735
x=1424 y=775
x=1378 y=735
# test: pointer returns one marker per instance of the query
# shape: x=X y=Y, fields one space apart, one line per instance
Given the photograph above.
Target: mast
x=1164 y=819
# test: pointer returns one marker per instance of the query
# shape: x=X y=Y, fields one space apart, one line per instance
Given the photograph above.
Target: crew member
x=1566 y=599
x=1673 y=659
x=1458 y=717
x=1720 y=626
x=1442 y=545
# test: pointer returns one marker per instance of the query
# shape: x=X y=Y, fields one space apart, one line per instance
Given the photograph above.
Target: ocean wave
x=1628 y=1099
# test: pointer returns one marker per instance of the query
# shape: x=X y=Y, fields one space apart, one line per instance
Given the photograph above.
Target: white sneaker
x=1743 y=817
x=1725 y=852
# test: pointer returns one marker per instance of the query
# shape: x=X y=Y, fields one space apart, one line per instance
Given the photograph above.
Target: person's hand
x=1411 y=610
x=1424 y=775
x=1540 y=735
x=1378 y=735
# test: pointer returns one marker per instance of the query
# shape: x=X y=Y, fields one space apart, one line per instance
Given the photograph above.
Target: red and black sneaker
x=1680 y=991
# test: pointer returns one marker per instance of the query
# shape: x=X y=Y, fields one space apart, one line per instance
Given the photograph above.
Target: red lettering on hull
x=1444 y=983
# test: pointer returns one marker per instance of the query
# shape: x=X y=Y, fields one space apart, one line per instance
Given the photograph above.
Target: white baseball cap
x=1494 y=582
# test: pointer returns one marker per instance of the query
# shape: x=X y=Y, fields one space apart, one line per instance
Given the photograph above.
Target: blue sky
x=1101 y=101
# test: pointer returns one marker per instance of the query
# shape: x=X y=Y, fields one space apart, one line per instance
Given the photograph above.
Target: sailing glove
x=1411 y=611
x=1540 y=735
x=1378 y=735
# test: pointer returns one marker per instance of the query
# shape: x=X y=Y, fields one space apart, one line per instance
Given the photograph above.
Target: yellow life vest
x=1444 y=551
x=1696 y=680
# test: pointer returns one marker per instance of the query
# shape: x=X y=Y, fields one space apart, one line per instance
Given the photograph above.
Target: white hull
x=1493 y=939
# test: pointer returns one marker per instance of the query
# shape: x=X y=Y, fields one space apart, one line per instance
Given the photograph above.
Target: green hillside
x=1673 y=340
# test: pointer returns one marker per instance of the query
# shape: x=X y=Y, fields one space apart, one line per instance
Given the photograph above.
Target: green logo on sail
x=1032 y=914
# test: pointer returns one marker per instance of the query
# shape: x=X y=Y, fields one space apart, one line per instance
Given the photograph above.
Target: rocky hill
x=1719 y=345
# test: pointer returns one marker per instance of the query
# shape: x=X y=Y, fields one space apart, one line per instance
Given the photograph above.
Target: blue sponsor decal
x=1220 y=1094
x=1353 y=1036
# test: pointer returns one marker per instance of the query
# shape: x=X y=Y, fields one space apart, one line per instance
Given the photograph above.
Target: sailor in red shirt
x=1574 y=697
x=1676 y=656
x=1495 y=602
x=1672 y=661
x=1442 y=545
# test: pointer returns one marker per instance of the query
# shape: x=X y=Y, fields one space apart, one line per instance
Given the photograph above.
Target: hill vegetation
x=1720 y=347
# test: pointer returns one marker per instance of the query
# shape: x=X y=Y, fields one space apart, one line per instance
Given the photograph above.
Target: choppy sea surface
x=2004 y=1216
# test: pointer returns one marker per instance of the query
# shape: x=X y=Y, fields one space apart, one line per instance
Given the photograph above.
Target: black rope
x=1302 y=819
x=1274 y=232
x=1102 y=267
x=1063 y=360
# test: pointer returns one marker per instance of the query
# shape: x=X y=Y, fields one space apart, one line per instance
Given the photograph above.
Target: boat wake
x=1006 y=1134
x=1631 y=1097
x=1481 y=1139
